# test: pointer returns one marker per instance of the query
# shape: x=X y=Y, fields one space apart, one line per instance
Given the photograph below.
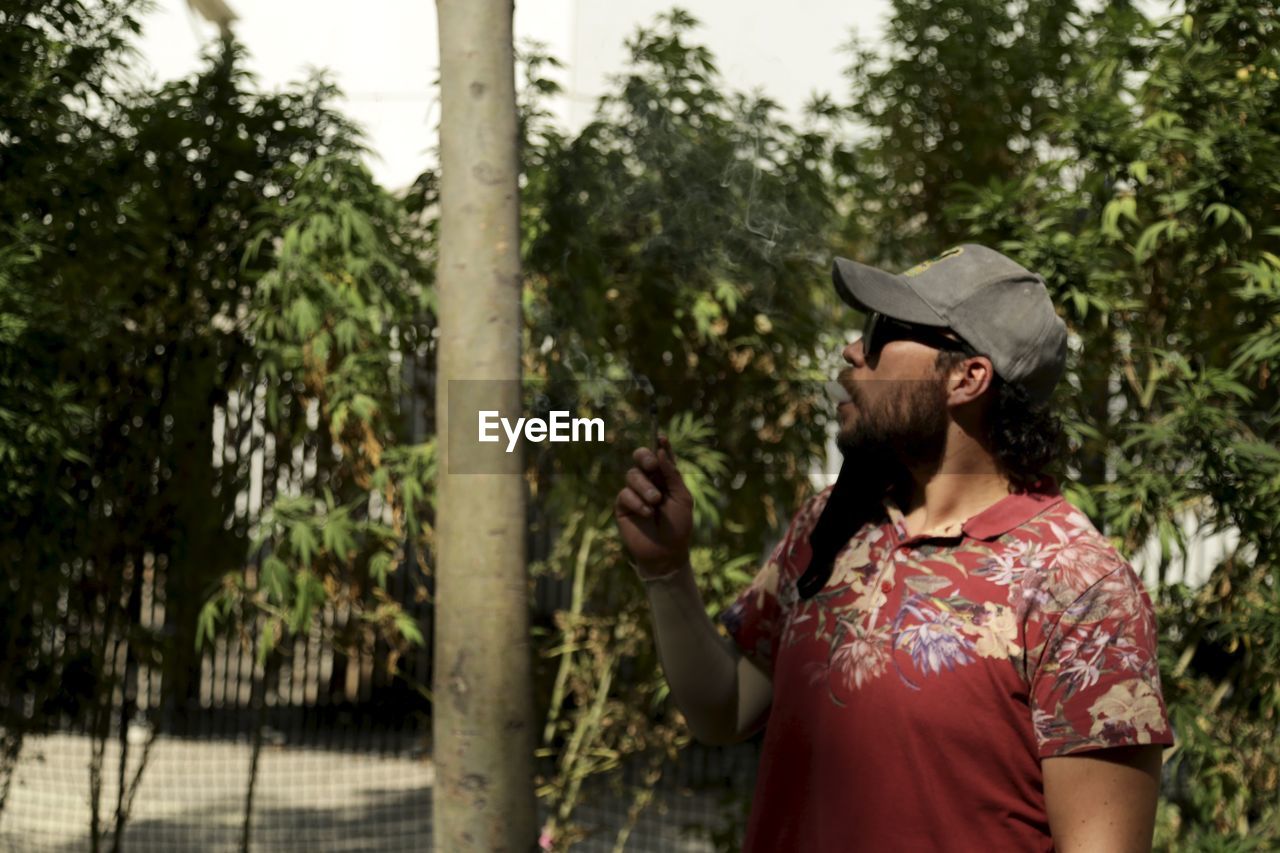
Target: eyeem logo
x=560 y=428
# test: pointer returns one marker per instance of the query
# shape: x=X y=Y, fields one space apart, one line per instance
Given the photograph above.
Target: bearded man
x=944 y=652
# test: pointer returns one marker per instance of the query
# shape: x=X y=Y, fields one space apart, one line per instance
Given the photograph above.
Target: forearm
x=720 y=693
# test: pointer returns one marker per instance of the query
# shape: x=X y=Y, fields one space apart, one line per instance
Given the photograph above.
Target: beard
x=907 y=429
x=909 y=426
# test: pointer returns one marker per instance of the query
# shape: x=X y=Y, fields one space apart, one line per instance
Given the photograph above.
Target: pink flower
x=863 y=658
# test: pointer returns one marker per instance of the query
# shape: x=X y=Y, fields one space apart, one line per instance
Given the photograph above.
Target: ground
x=308 y=798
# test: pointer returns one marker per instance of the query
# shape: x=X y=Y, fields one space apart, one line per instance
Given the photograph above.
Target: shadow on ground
x=310 y=800
x=388 y=822
x=385 y=821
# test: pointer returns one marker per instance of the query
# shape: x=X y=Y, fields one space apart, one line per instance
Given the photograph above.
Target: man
x=945 y=653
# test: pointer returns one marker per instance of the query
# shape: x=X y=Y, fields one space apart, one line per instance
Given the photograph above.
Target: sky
x=383 y=53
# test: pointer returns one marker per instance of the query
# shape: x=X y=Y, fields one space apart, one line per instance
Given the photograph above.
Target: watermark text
x=560 y=426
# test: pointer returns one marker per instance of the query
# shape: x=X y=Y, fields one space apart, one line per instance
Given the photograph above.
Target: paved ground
x=312 y=800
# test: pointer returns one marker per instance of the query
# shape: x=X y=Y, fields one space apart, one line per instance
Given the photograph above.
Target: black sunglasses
x=879 y=330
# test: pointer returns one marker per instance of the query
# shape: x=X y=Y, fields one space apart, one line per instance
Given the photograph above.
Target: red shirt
x=915 y=694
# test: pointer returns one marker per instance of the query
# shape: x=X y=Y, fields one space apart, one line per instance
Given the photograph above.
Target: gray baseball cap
x=995 y=305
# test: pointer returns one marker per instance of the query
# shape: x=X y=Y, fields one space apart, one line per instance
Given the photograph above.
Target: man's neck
x=963 y=484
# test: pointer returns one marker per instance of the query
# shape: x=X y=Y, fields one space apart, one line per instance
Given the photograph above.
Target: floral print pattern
x=1030 y=584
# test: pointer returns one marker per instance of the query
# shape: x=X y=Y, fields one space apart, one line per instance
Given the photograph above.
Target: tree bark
x=483 y=707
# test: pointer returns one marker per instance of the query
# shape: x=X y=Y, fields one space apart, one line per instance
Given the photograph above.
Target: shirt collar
x=1008 y=513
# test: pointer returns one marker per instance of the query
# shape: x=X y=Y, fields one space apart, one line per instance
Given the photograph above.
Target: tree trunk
x=200 y=550
x=483 y=706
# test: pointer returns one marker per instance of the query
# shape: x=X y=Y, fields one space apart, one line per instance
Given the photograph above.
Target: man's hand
x=654 y=512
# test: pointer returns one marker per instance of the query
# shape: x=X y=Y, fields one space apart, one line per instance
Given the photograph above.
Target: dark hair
x=854 y=501
x=1025 y=438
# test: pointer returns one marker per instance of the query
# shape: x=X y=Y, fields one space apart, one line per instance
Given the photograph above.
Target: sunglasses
x=880 y=330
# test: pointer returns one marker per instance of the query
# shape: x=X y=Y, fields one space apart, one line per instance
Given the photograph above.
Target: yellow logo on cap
x=921 y=267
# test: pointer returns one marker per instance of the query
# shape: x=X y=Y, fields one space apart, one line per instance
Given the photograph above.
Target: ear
x=969 y=380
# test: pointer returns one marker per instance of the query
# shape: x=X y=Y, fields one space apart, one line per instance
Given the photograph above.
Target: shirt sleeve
x=1097 y=681
x=758 y=616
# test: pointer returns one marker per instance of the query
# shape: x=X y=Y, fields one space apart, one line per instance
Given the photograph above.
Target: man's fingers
x=645 y=458
x=643 y=486
x=656 y=471
x=630 y=502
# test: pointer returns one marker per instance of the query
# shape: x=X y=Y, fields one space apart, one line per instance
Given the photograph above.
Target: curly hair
x=1025 y=437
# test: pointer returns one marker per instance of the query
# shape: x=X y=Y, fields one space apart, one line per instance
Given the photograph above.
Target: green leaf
x=308 y=596
x=336 y=535
x=207 y=624
x=304 y=317
x=267 y=640
x=1166 y=229
x=1125 y=207
x=275 y=578
x=380 y=566
x=303 y=541
x=364 y=407
x=408 y=628
x=1220 y=213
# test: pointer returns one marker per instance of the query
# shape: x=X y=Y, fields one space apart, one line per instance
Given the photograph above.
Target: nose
x=854 y=353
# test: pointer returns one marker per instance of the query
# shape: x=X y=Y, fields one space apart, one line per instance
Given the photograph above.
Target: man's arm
x=1103 y=801
x=721 y=693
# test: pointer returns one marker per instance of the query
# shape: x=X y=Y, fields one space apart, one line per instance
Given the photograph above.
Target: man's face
x=897 y=403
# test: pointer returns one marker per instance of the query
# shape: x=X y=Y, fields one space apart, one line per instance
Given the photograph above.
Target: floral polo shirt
x=916 y=693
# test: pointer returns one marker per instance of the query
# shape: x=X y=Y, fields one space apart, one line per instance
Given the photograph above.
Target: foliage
x=58 y=60
x=683 y=231
x=1133 y=163
x=326 y=323
x=674 y=256
x=206 y=252
x=1082 y=144
x=960 y=91
x=164 y=254
x=1150 y=210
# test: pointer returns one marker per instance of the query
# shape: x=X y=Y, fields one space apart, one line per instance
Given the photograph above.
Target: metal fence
x=316 y=750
